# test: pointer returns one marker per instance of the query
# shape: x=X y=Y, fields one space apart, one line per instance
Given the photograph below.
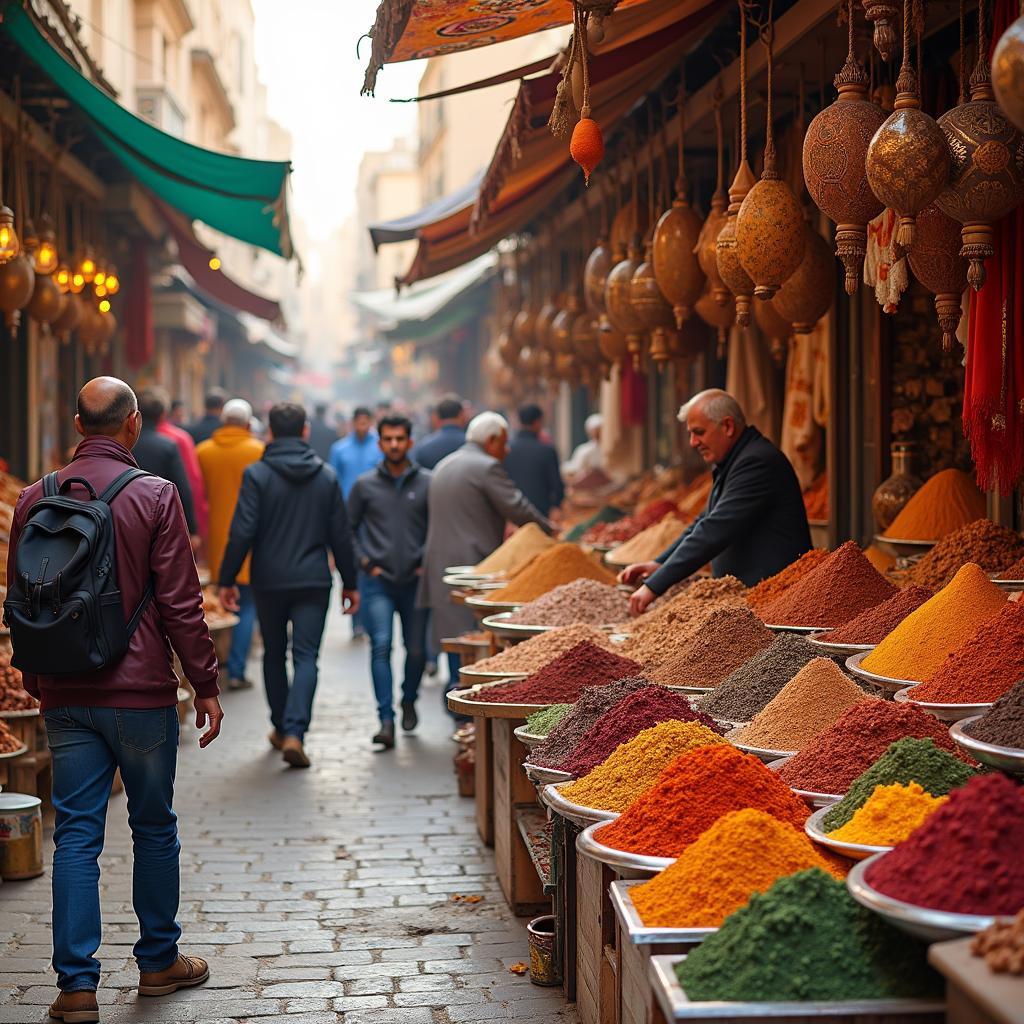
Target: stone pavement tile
x=521 y=1009
x=372 y=986
x=296 y=989
x=404 y=1015
x=274 y=973
x=427 y=983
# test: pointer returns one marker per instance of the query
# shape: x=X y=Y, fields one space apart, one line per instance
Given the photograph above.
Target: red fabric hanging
x=139 y=334
x=994 y=382
x=634 y=395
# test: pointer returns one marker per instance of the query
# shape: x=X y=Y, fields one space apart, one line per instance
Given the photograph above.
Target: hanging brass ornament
x=1008 y=72
x=648 y=302
x=90 y=324
x=777 y=329
x=67 y=319
x=611 y=341
x=526 y=318
x=720 y=317
x=986 y=165
x=618 y=300
x=707 y=241
x=936 y=262
x=885 y=15
x=17 y=280
x=108 y=326
x=46 y=302
x=595 y=274
x=908 y=159
x=584 y=345
x=808 y=295
x=834 y=155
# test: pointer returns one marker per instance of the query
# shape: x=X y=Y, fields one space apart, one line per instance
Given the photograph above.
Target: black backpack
x=64 y=608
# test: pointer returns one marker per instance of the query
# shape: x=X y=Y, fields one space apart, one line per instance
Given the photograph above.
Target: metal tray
x=23 y=713
x=903 y=548
x=925 y=923
x=943 y=712
x=1009 y=585
x=675 y=1005
x=886 y=683
x=630 y=865
x=637 y=932
x=544 y=776
x=803 y=630
x=470 y=583
x=765 y=755
x=469 y=571
x=458 y=703
x=582 y=817
x=14 y=753
x=470 y=675
x=528 y=739
x=836 y=650
x=811 y=798
x=500 y=626
x=483 y=604
x=855 y=851
x=1007 y=759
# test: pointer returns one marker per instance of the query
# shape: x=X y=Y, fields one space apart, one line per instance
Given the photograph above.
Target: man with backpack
x=100 y=578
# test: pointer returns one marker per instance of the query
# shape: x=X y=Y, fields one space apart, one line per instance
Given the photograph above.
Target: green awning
x=246 y=199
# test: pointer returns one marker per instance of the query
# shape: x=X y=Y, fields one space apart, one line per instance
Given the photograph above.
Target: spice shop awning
x=404 y=228
x=246 y=199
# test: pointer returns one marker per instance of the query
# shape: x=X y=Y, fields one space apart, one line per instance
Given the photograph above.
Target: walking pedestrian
x=122 y=715
x=203 y=428
x=448 y=436
x=223 y=459
x=388 y=513
x=178 y=414
x=187 y=450
x=322 y=435
x=290 y=513
x=533 y=463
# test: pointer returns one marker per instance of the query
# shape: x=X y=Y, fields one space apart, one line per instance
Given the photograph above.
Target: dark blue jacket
x=434 y=447
x=533 y=465
x=755 y=523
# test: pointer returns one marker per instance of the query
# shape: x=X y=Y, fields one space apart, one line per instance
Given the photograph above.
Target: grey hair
x=716 y=405
x=593 y=424
x=485 y=426
x=237 y=412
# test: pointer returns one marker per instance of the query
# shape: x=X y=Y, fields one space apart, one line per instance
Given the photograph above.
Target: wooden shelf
x=535 y=829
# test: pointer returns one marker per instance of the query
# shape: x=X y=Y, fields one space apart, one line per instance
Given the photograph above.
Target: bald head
x=107 y=407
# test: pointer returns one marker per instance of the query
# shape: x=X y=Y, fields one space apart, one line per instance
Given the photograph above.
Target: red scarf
x=994 y=382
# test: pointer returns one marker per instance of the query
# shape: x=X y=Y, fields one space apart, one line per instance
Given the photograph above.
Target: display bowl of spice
x=640 y=934
x=473 y=583
x=579 y=815
x=760 y=752
x=483 y=605
x=629 y=865
x=539 y=725
x=884 y=683
x=541 y=776
x=527 y=738
x=480 y=701
x=811 y=797
x=473 y=676
x=500 y=626
x=802 y=630
x=900 y=547
x=943 y=712
x=470 y=572
x=855 y=851
x=1006 y=759
x=820 y=640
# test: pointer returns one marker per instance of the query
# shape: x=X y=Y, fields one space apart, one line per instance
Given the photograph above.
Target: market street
x=312 y=893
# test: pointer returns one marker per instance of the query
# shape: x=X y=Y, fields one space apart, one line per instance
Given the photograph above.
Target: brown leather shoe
x=276 y=740
x=292 y=752
x=185 y=972
x=76 y=1008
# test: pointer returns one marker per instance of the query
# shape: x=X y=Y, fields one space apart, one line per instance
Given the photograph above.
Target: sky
x=306 y=53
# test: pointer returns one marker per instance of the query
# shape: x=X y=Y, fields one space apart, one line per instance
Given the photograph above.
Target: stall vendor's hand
x=637 y=572
x=230 y=598
x=349 y=602
x=640 y=600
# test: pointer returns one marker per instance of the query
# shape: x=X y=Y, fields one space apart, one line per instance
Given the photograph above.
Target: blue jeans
x=381 y=601
x=241 y=635
x=87 y=745
x=291 y=706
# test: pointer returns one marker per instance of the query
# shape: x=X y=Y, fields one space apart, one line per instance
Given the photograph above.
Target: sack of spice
x=1003 y=724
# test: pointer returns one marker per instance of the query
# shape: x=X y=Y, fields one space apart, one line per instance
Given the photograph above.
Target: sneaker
x=239 y=683
x=276 y=740
x=386 y=735
x=431 y=669
x=293 y=752
x=76 y=1007
x=185 y=972
x=409 y=717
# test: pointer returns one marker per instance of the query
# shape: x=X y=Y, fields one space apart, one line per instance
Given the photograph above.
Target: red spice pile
x=694 y=791
x=966 y=858
x=874 y=625
x=768 y=590
x=844 y=585
x=830 y=762
x=985 y=667
x=562 y=680
x=629 y=526
x=626 y=719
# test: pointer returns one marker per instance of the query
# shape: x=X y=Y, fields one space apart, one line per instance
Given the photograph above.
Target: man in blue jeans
x=388 y=512
x=124 y=716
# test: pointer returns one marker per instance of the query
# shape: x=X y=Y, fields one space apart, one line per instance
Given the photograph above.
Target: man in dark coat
x=448 y=436
x=533 y=463
x=755 y=522
x=203 y=428
x=322 y=434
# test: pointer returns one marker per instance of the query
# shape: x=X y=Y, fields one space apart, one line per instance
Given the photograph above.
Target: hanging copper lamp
x=936 y=262
x=808 y=295
x=1008 y=72
x=708 y=239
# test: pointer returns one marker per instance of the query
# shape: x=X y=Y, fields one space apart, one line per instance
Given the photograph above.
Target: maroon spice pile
x=1003 y=724
x=844 y=585
x=625 y=720
x=966 y=857
x=995 y=548
x=583 y=600
x=563 y=680
x=831 y=761
x=874 y=625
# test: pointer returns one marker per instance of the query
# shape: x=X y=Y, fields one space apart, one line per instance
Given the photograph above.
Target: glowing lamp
x=215 y=263
x=9 y=244
x=105 y=306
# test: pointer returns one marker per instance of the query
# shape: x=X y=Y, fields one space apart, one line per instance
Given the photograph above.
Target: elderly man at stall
x=587 y=457
x=471 y=499
x=755 y=523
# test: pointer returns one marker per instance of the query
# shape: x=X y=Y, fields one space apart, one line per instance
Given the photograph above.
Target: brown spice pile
x=949 y=500
x=536 y=652
x=520 y=549
x=874 y=625
x=994 y=548
x=583 y=600
x=560 y=564
x=728 y=638
x=775 y=586
x=649 y=543
x=1014 y=572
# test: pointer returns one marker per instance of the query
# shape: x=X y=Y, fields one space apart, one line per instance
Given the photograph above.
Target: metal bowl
x=1011 y=586
x=581 y=816
x=886 y=683
x=809 y=797
x=1007 y=759
x=943 y=712
x=528 y=739
x=902 y=548
x=470 y=572
x=500 y=626
x=545 y=776
x=813 y=826
x=482 y=604
x=923 y=922
x=470 y=583
x=803 y=630
x=14 y=753
x=837 y=650
x=462 y=703
x=765 y=755
x=631 y=865
x=637 y=932
x=470 y=675
x=727 y=723
x=694 y=691
x=24 y=713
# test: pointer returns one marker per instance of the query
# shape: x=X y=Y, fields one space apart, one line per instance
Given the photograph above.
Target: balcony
x=157 y=105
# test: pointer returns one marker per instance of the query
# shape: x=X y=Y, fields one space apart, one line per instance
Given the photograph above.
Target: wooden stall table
x=974 y=993
x=30 y=771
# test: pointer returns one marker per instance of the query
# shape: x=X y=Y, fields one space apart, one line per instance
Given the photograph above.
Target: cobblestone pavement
x=318 y=896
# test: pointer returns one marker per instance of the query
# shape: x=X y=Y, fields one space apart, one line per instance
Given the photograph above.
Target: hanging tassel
x=587 y=144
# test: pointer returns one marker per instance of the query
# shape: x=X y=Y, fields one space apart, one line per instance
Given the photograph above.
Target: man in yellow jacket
x=223 y=459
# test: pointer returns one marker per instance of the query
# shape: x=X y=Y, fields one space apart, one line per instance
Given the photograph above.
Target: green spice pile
x=806 y=939
x=540 y=723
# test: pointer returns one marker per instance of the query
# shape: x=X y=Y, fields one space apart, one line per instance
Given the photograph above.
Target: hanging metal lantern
x=937 y=263
x=91 y=330
x=1008 y=72
x=730 y=269
x=595 y=274
x=619 y=302
x=808 y=295
x=17 y=280
x=67 y=318
x=707 y=241
x=771 y=323
x=646 y=296
x=612 y=342
x=47 y=302
x=885 y=16
x=720 y=317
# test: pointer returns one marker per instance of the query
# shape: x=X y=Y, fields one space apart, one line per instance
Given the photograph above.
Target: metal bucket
x=544 y=968
x=21 y=836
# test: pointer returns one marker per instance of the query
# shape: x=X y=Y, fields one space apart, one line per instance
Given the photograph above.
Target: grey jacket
x=388 y=516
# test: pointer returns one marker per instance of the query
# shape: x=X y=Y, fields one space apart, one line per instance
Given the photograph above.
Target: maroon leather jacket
x=152 y=543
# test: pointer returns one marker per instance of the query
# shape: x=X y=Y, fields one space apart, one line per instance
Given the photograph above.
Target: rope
x=963 y=53
x=982 y=72
x=743 y=84
x=681 y=181
x=768 y=38
x=720 y=136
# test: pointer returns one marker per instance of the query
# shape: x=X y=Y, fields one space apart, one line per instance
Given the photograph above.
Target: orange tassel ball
x=587 y=145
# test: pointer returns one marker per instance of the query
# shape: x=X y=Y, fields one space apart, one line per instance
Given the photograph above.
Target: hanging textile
x=801 y=435
x=886 y=274
x=139 y=333
x=750 y=379
x=621 y=442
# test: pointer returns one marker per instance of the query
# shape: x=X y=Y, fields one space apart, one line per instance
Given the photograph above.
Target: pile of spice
x=889 y=815
x=775 y=586
x=560 y=564
x=520 y=549
x=946 y=502
x=966 y=858
x=875 y=624
x=994 y=548
x=649 y=543
x=605 y=514
x=743 y=853
x=563 y=679
x=636 y=765
x=1014 y=572
x=13 y=695
x=815 y=698
x=540 y=723
x=881 y=560
x=726 y=639
x=631 y=716
x=693 y=792
x=985 y=667
x=1003 y=724
x=844 y=585
x=9 y=743
x=806 y=939
x=1002 y=945
x=916 y=648
x=593 y=702
x=583 y=600
x=536 y=652
x=629 y=526
x=836 y=756
x=908 y=760
x=747 y=690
